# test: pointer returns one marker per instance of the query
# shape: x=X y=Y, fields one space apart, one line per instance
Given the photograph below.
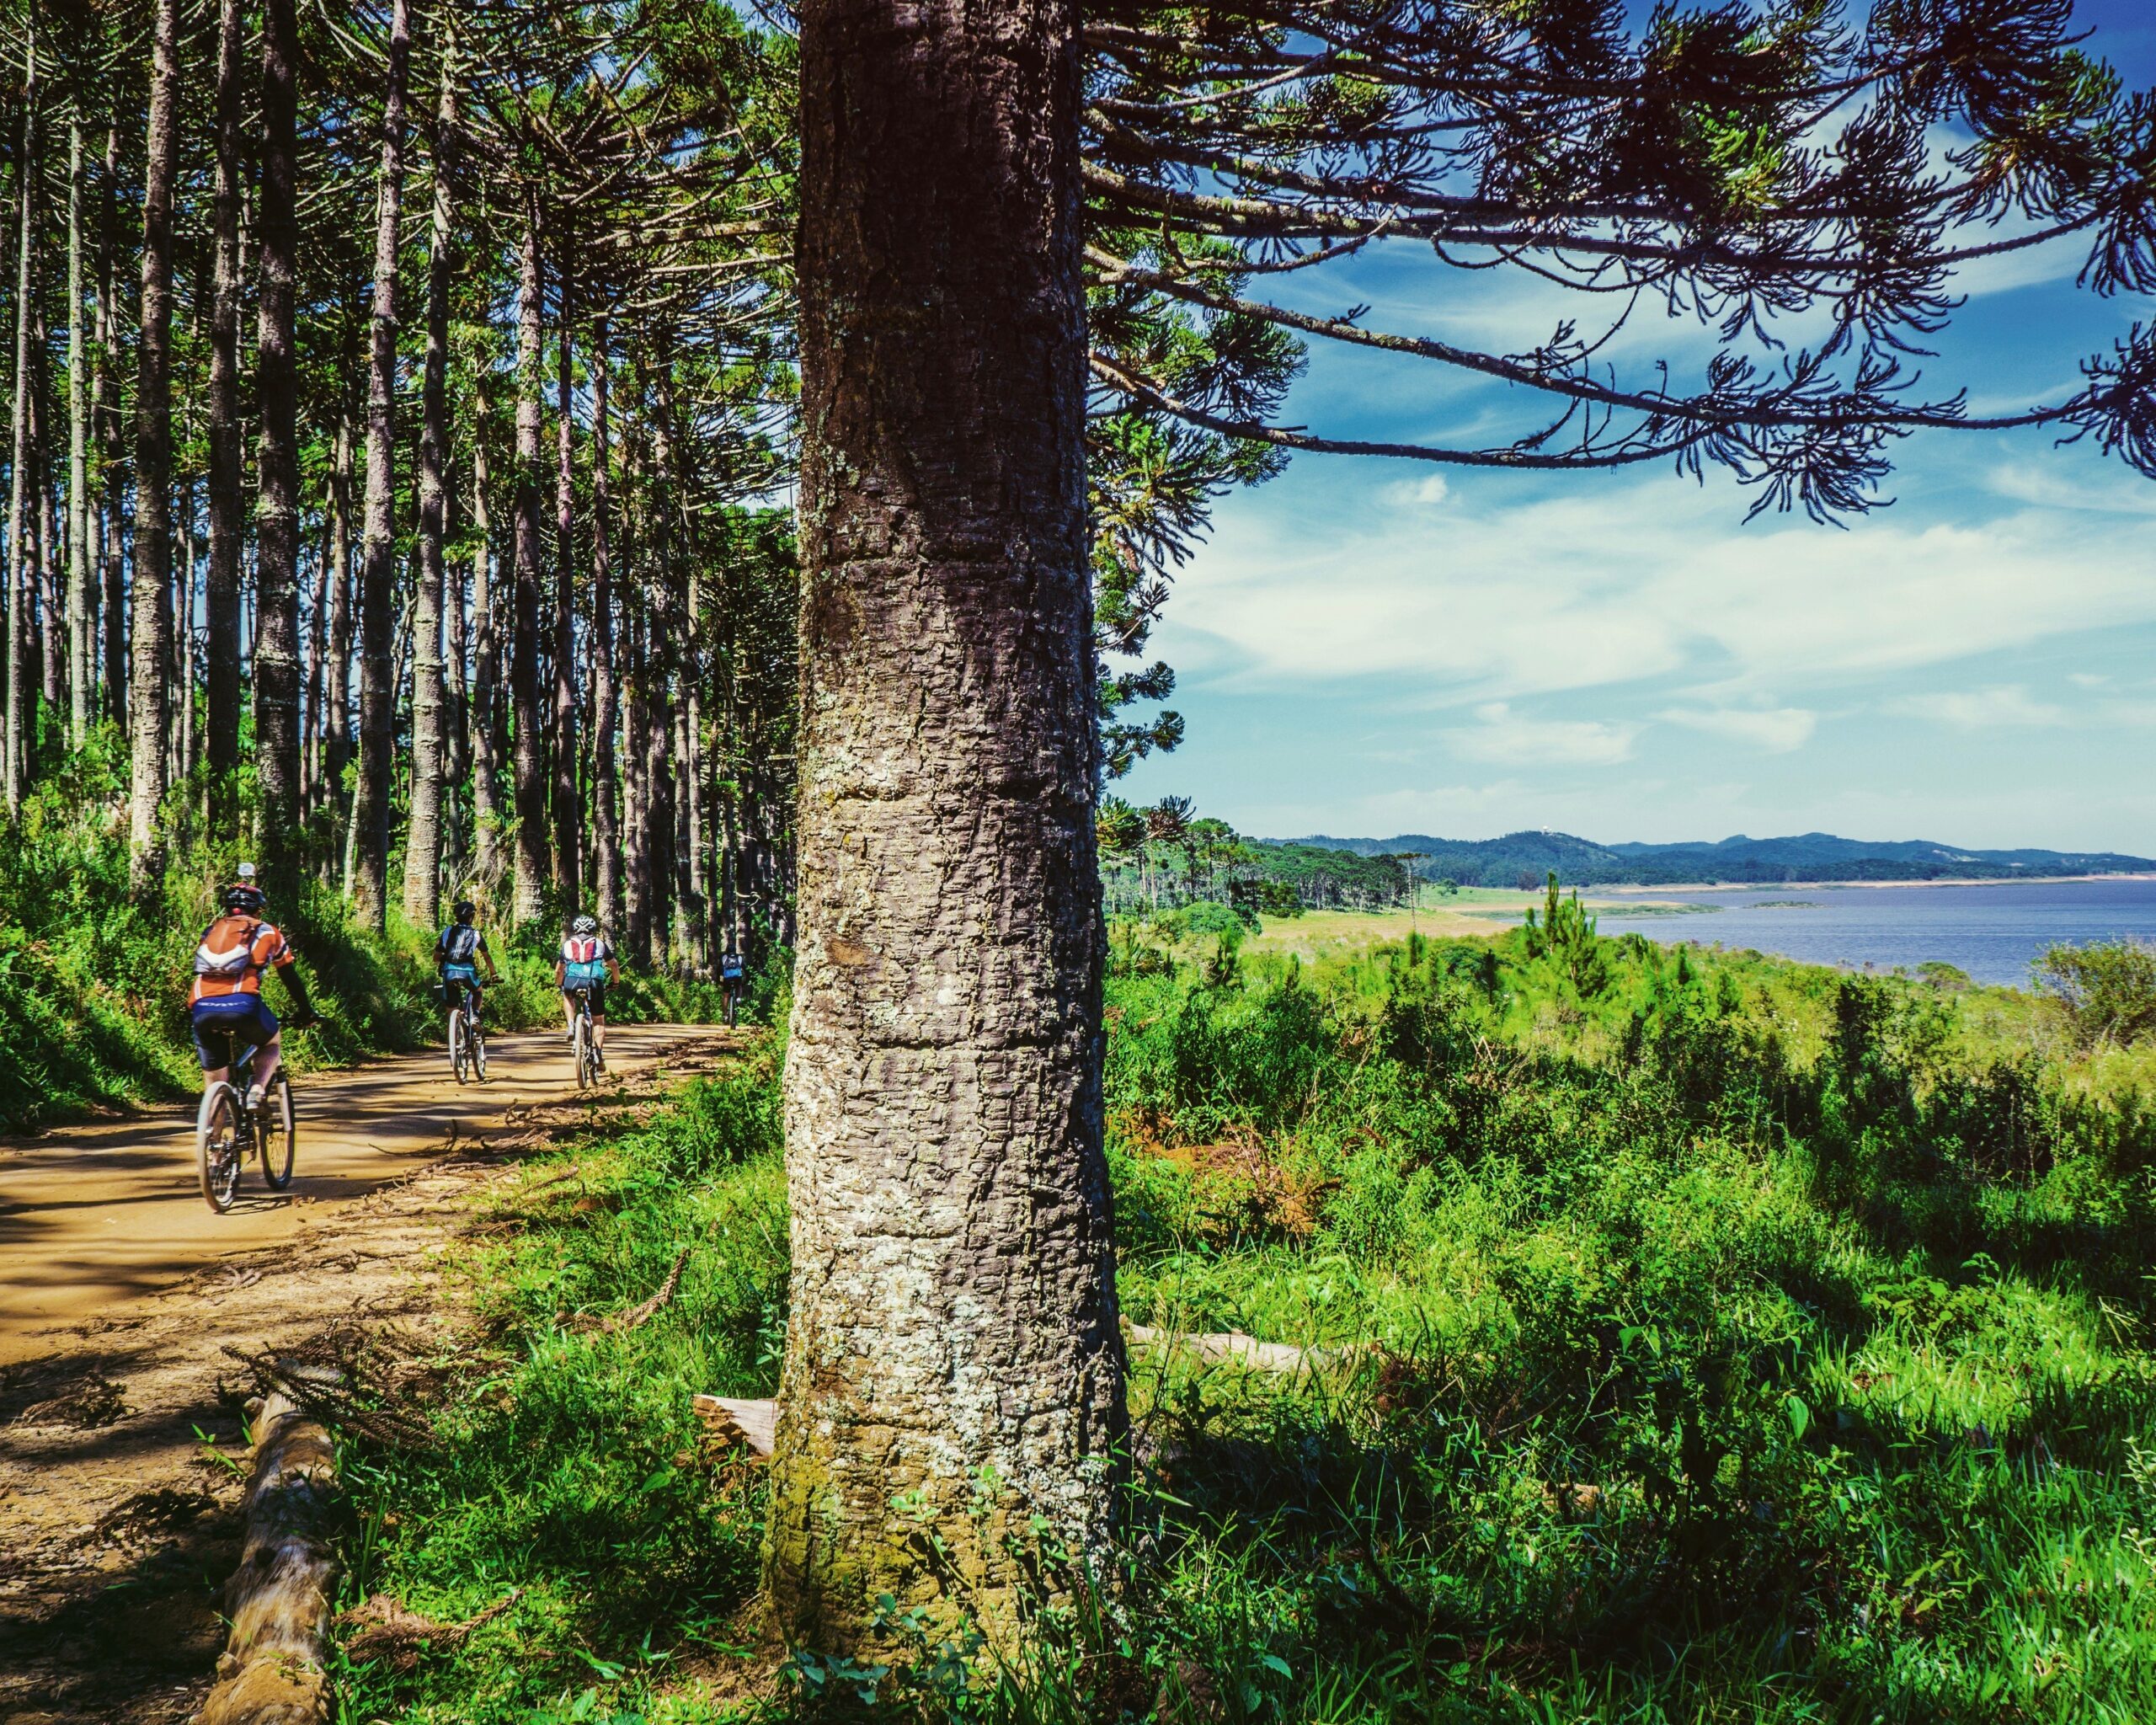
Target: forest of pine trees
x=398 y=454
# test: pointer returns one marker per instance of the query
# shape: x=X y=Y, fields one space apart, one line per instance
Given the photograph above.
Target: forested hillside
x=1522 y=859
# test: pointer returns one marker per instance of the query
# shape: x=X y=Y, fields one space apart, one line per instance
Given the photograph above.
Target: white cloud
x=2003 y=707
x=1429 y=490
x=1777 y=730
x=1501 y=735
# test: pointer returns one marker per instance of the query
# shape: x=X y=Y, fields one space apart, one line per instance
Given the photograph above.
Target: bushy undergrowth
x=1714 y=1340
x=94 y=980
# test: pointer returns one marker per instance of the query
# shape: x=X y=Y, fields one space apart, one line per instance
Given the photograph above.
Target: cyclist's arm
x=561 y=973
x=487 y=953
x=288 y=969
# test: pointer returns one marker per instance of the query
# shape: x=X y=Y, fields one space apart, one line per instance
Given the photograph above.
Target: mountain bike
x=225 y=1129
x=468 y=1042
x=587 y=1051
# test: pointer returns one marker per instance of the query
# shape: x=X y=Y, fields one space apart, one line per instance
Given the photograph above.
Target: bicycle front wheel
x=217 y=1148
x=274 y=1132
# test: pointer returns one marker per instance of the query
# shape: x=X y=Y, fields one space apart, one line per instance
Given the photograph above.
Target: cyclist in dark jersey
x=458 y=954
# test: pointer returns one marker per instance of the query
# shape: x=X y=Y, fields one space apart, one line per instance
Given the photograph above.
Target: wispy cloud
x=1511 y=739
x=1777 y=730
x=2006 y=705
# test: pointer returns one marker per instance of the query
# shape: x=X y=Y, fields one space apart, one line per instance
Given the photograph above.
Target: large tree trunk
x=221 y=593
x=952 y=1290
x=378 y=557
x=422 y=833
x=82 y=597
x=152 y=582
x=105 y=397
x=486 y=668
x=530 y=769
x=568 y=870
x=605 y=822
x=22 y=496
x=279 y=733
x=311 y=728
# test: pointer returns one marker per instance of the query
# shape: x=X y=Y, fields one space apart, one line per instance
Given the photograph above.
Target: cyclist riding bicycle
x=585 y=966
x=226 y=1008
x=732 y=981
x=457 y=955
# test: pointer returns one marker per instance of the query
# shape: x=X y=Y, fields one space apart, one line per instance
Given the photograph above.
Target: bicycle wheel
x=582 y=1050
x=274 y=1133
x=459 y=1038
x=476 y=1040
x=217 y=1147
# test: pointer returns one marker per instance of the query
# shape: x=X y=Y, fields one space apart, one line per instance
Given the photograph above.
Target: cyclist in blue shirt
x=458 y=954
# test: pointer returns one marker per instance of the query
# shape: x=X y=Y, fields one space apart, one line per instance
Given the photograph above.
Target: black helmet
x=465 y=911
x=243 y=893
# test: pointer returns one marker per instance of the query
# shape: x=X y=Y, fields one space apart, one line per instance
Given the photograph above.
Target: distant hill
x=1527 y=857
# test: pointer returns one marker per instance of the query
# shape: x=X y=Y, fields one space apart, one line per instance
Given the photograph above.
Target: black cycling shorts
x=595 y=993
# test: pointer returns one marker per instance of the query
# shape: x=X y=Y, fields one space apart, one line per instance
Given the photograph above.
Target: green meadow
x=1692 y=1336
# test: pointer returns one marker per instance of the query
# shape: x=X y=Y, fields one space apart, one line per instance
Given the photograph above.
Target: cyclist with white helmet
x=586 y=965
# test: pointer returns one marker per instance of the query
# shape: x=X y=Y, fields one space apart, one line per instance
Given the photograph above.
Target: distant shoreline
x=1811 y=886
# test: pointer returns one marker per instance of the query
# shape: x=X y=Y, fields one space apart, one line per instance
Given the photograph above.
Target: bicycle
x=587 y=1051
x=468 y=1042
x=225 y=1127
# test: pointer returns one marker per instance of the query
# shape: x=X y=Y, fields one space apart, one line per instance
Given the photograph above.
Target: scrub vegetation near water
x=1705 y=1337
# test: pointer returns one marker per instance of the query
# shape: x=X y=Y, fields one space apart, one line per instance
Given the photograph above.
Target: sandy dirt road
x=119 y=1292
x=91 y=1217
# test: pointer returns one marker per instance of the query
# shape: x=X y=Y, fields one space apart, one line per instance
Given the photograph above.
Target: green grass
x=1733 y=1340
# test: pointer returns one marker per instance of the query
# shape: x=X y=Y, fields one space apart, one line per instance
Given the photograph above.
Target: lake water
x=1991 y=931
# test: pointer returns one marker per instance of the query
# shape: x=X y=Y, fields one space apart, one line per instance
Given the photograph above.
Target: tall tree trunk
x=82 y=597
x=378 y=566
x=311 y=750
x=52 y=660
x=568 y=826
x=423 y=832
x=605 y=822
x=182 y=742
x=339 y=699
x=220 y=594
x=152 y=582
x=486 y=666
x=105 y=400
x=22 y=496
x=636 y=791
x=531 y=771
x=278 y=722
x=952 y=1313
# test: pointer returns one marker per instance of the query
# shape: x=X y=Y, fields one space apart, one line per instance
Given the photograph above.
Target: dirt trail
x=119 y=1289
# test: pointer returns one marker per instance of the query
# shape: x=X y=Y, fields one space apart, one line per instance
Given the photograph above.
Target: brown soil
x=119 y=1290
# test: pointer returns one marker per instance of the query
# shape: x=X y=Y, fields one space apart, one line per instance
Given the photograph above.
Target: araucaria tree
x=953 y=1355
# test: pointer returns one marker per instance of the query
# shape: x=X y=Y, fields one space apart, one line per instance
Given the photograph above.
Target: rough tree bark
x=530 y=769
x=278 y=729
x=22 y=497
x=606 y=831
x=486 y=665
x=378 y=554
x=221 y=588
x=568 y=825
x=82 y=597
x=339 y=699
x=104 y=401
x=953 y=1283
x=423 y=830
x=152 y=595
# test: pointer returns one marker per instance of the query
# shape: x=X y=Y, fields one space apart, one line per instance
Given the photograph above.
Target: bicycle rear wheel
x=217 y=1148
x=474 y=1036
x=274 y=1134
x=459 y=1040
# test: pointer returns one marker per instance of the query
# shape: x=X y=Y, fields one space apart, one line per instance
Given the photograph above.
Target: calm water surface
x=1990 y=932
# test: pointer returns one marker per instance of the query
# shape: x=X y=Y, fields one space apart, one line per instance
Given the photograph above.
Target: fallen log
x=1219 y=1347
x=273 y=1669
x=750 y=1423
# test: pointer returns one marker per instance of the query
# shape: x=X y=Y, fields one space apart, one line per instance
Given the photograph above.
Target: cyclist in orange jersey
x=226 y=1006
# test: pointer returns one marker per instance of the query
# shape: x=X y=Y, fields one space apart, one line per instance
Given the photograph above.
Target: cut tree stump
x=272 y=1671
x=755 y=1423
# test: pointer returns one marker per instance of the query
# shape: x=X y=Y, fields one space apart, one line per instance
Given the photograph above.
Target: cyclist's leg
x=213 y=1048
x=273 y=1050
x=599 y=1017
x=569 y=1015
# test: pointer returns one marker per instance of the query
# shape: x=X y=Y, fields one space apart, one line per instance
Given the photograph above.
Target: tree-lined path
x=91 y=1217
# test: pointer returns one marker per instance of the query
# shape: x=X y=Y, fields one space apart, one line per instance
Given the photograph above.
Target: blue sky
x=1371 y=647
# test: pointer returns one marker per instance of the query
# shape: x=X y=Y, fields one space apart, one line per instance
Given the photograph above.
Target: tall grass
x=1715 y=1339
